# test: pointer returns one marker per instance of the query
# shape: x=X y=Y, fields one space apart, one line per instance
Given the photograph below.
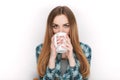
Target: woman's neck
x=64 y=56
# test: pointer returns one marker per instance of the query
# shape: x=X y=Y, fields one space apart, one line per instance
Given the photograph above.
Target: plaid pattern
x=72 y=73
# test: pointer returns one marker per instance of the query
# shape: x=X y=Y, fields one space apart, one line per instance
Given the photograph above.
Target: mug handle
x=55 y=40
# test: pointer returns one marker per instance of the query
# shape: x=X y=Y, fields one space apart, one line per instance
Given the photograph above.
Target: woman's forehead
x=60 y=19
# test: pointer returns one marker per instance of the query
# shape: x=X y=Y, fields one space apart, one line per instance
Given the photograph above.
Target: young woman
x=71 y=65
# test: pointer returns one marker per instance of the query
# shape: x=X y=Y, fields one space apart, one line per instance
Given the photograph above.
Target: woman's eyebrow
x=58 y=24
x=54 y=24
x=66 y=24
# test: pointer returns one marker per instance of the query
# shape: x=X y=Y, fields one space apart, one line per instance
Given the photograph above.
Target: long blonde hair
x=45 y=52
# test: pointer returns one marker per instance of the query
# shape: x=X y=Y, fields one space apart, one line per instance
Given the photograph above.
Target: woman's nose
x=61 y=30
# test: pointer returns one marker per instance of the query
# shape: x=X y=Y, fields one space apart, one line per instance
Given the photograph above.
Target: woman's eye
x=66 y=25
x=55 y=26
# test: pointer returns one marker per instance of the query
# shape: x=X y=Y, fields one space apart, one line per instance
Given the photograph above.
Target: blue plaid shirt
x=72 y=73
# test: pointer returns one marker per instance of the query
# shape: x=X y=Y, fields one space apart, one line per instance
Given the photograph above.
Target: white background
x=22 y=28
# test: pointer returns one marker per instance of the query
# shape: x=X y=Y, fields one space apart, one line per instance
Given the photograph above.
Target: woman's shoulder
x=86 y=50
x=38 y=50
x=85 y=47
x=39 y=47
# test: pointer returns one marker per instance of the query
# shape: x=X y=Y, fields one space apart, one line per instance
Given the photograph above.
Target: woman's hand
x=53 y=55
x=69 y=52
x=69 y=47
x=53 y=49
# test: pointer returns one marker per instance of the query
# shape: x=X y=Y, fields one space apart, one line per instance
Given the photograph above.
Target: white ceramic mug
x=59 y=48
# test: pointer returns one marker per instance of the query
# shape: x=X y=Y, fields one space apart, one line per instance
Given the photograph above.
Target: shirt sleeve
x=76 y=75
x=49 y=75
x=87 y=51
